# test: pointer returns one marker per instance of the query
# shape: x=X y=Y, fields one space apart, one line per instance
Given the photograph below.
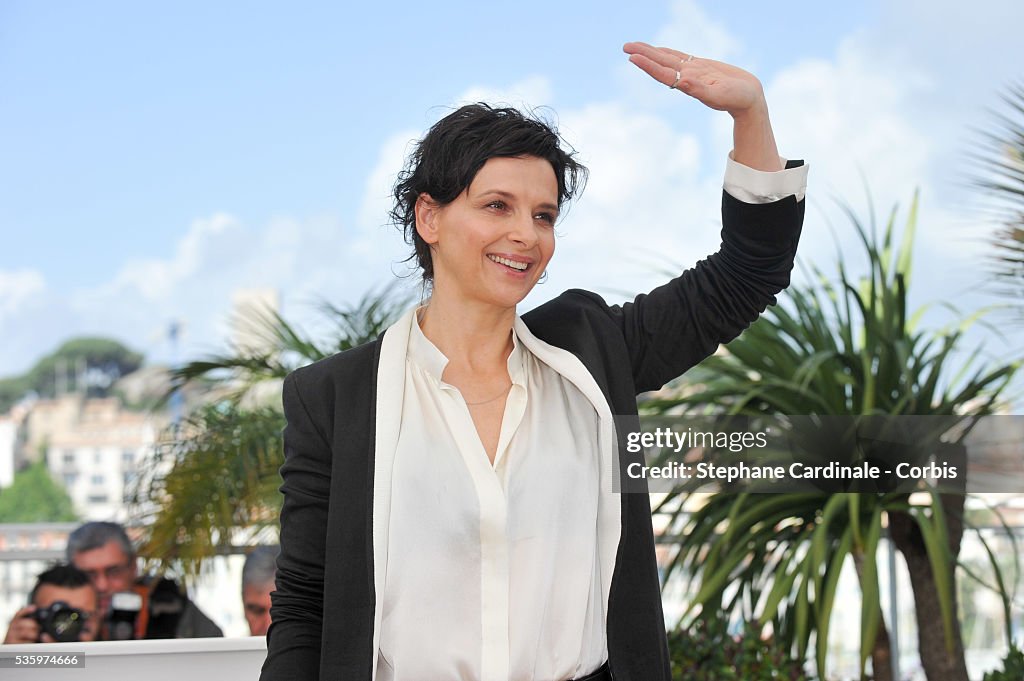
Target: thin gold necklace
x=474 y=404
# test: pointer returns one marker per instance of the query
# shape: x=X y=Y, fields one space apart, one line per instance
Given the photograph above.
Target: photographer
x=134 y=607
x=62 y=607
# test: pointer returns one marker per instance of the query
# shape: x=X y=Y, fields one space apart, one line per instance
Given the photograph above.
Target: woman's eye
x=497 y=205
x=545 y=217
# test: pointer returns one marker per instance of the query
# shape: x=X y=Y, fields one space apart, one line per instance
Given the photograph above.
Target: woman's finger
x=657 y=55
x=683 y=57
x=666 y=56
x=662 y=74
x=667 y=66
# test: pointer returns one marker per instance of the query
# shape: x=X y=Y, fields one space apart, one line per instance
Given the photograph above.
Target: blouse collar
x=424 y=354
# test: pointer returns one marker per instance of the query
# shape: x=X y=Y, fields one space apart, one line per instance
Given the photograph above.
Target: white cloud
x=377 y=196
x=32 y=319
x=632 y=156
x=692 y=30
x=209 y=240
x=852 y=117
x=18 y=288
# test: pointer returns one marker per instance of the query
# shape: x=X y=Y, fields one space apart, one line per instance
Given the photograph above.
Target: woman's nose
x=525 y=231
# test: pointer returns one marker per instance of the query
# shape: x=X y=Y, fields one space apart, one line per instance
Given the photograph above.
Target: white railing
x=196 y=659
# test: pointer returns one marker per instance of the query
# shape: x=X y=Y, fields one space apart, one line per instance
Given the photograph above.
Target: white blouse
x=493 y=572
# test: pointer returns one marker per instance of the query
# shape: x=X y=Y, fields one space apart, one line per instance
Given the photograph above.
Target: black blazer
x=323 y=608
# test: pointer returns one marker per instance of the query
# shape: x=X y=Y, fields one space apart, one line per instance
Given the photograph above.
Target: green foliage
x=705 y=652
x=34 y=497
x=218 y=474
x=1013 y=667
x=12 y=390
x=848 y=348
x=104 y=360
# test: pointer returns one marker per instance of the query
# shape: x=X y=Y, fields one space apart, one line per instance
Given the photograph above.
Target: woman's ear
x=427 y=211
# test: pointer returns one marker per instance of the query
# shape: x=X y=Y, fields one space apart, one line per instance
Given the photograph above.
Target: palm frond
x=213 y=478
x=844 y=347
x=278 y=346
x=999 y=173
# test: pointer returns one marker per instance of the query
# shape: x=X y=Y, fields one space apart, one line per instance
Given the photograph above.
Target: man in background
x=258 y=576
x=159 y=608
x=62 y=606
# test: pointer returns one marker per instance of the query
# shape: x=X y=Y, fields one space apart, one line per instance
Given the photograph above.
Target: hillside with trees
x=87 y=364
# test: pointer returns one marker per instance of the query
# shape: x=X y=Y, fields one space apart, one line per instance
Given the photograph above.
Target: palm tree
x=1000 y=166
x=834 y=349
x=213 y=481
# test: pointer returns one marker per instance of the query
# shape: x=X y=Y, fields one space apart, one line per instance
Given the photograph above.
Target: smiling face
x=493 y=242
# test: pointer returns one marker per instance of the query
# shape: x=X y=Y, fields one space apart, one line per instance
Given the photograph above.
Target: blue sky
x=155 y=159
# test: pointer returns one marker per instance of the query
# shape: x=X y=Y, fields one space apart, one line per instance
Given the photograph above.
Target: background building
x=92 y=447
x=10 y=436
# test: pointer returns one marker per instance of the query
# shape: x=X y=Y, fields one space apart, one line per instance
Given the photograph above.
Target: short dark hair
x=444 y=163
x=62 y=575
x=96 y=535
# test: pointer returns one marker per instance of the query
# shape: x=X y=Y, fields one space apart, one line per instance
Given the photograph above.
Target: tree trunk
x=939 y=663
x=881 y=655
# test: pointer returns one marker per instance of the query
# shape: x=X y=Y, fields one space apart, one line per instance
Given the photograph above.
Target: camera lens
x=61 y=621
x=66 y=625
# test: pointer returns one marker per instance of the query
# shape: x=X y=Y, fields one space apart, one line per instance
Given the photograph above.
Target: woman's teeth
x=509 y=263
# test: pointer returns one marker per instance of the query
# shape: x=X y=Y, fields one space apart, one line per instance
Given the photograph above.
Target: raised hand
x=720 y=86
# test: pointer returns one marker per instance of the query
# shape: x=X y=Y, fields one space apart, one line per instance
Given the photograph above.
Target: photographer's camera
x=61 y=621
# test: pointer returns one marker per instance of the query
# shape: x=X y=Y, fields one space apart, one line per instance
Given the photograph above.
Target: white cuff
x=758 y=186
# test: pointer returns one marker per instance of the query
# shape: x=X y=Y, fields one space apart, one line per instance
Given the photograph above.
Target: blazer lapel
x=390 y=394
